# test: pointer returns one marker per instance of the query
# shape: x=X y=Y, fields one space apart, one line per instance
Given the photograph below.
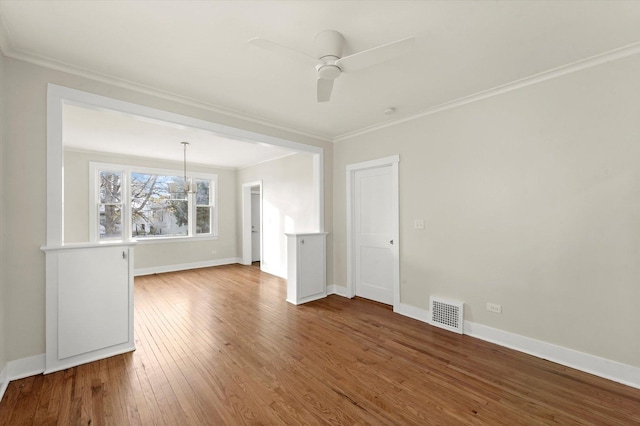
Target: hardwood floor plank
x=9 y=401
x=221 y=346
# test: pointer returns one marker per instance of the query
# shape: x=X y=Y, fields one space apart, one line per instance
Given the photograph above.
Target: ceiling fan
x=329 y=63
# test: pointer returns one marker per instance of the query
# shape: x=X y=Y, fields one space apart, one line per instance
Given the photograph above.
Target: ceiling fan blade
x=324 y=89
x=284 y=51
x=376 y=55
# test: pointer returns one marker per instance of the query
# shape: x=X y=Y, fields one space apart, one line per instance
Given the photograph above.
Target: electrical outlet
x=494 y=307
x=214 y=252
x=418 y=224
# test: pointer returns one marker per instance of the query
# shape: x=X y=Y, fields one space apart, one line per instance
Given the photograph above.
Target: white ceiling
x=199 y=51
x=118 y=133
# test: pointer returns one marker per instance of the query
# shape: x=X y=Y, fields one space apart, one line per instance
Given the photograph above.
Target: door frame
x=392 y=161
x=246 y=221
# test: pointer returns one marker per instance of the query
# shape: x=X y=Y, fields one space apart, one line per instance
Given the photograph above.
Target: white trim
x=307 y=299
x=337 y=290
x=63 y=365
x=176 y=239
x=55 y=169
x=392 y=161
x=579 y=65
x=79 y=246
x=592 y=364
x=25 y=367
x=318 y=192
x=413 y=312
x=184 y=266
x=263 y=161
x=378 y=162
x=247 y=243
x=139 y=157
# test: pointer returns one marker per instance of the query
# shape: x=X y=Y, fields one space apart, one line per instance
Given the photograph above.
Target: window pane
x=203 y=220
x=151 y=188
x=158 y=206
x=110 y=187
x=110 y=221
x=166 y=218
x=202 y=192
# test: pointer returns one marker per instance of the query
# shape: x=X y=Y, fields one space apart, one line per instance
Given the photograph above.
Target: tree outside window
x=204 y=207
x=110 y=208
x=159 y=206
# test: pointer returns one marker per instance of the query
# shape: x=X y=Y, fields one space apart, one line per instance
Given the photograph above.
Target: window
x=110 y=205
x=204 y=207
x=148 y=204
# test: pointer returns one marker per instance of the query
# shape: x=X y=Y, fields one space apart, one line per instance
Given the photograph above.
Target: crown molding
x=7 y=48
x=582 y=64
x=137 y=157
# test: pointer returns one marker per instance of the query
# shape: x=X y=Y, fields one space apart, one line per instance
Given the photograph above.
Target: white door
x=255 y=227
x=374 y=229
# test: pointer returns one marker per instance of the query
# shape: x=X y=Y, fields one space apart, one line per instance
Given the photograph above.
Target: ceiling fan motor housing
x=328 y=71
x=329 y=43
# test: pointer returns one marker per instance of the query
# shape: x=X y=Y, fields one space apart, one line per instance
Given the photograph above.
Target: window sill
x=162 y=240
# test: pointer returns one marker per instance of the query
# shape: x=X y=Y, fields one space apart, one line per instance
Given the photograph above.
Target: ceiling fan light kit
x=330 y=64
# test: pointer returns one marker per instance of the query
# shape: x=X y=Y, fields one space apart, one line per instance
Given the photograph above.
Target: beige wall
x=150 y=255
x=287 y=205
x=25 y=165
x=531 y=200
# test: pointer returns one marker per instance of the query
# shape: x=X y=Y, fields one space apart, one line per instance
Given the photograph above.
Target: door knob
x=391 y=242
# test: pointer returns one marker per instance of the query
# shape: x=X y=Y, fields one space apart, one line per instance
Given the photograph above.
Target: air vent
x=447 y=314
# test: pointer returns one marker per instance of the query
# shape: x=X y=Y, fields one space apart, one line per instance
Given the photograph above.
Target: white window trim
x=94 y=169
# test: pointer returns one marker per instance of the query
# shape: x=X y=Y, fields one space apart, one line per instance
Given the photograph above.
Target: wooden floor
x=220 y=346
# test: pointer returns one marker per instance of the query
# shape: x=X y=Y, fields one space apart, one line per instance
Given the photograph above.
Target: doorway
x=251 y=222
x=256 y=224
x=372 y=231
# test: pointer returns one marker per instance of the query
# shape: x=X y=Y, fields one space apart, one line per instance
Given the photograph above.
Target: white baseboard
x=337 y=289
x=19 y=369
x=25 y=367
x=413 y=312
x=184 y=266
x=58 y=365
x=602 y=367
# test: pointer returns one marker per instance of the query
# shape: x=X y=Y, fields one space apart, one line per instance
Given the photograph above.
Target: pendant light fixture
x=187 y=182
